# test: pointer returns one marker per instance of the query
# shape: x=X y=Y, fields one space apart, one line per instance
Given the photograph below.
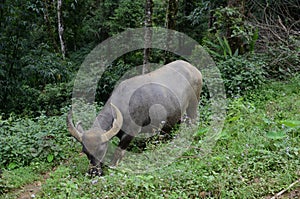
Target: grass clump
x=257 y=154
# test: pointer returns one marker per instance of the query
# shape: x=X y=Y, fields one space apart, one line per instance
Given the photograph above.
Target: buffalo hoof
x=95 y=171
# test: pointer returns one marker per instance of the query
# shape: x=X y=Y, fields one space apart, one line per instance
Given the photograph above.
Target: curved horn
x=74 y=131
x=116 y=126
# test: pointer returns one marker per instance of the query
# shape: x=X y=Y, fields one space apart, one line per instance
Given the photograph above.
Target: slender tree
x=148 y=35
x=171 y=14
x=61 y=28
x=2 y=2
x=172 y=10
x=48 y=6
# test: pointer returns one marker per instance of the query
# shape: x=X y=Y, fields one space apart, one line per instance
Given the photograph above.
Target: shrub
x=109 y=79
x=23 y=102
x=54 y=97
x=31 y=101
x=241 y=74
x=283 y=61
x=230 y=34
x=27 y=80
x=40 y=139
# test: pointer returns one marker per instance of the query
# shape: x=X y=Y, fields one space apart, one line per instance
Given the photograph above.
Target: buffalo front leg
x=121 y=149
x=118 y=155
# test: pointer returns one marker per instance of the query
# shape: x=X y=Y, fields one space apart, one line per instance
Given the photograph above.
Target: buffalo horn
x=116 y=126
x=74 y=131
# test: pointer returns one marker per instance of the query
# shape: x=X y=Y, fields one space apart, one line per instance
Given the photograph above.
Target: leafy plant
x=66 y=188
x=128 y=14
x=15 y=179
x=242 y=73
x=54 y=97
x=222 y=50
x=240 y=165
x=109 y=79
x=230 y=34
x=40 y=139
x=282 y=61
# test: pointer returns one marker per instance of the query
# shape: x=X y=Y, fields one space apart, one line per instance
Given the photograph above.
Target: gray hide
x=146 y=102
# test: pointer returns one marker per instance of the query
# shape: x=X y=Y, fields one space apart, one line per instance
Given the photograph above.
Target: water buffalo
x=140 y=104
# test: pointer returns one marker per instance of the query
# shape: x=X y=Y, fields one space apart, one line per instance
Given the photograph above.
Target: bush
x=241 y=74
x=109 y=79
x=23 y=102
x=283 y=61
x=230 y=34
x=54 y=97
x=31 y=101
x=34 y=75
x=41 y=139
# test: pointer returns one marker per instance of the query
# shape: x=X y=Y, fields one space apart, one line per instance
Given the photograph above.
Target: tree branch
x=281 y=192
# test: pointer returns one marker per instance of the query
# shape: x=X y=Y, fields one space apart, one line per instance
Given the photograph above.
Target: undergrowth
x=256 y=155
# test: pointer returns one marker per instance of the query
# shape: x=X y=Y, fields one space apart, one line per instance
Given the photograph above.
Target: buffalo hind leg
x=192 y=111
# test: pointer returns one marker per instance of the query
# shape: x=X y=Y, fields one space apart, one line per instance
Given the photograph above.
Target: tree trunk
x=170 y=24
x=50 y=30
x=148 y=35
x=60 y=28
x=171 y=14
x=2 y=2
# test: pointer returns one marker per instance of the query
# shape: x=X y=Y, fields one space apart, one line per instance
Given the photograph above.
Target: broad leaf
x=50 y=157
x=290 y=123
x=275 y=135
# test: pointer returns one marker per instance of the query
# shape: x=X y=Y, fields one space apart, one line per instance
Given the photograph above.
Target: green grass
x=12 y=181
x=257 y=155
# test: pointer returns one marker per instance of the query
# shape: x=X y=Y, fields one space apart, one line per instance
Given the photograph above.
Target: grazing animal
x=137 y=105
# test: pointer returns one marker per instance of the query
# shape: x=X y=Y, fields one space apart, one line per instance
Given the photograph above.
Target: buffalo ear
x=117 y=125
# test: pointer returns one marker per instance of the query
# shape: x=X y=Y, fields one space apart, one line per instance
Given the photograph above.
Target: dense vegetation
x=255 y=44
x=256 y=155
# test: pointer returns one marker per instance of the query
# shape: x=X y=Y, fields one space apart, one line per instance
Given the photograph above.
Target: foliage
x=27 y=62
x=244 y=159
x=54 y=97
x=29 y=49
x=257 y=153
x=41 y=139
x=159 y=10
x=278 y=23
x=220 y=51
x=94 y=27
x=194 y=17
x=241 y=73
x=129 y=14
x=49 y=100
x=42 y=67
x=230 y=34
x=283 y=61
x=109 y=79
x=66 y=187
x=267 y=11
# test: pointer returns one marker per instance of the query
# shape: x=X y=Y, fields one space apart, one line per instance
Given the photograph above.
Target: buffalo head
x=95 y=140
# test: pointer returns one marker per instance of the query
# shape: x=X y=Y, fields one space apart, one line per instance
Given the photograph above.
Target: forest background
x=39 y=60
x=255 y=44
